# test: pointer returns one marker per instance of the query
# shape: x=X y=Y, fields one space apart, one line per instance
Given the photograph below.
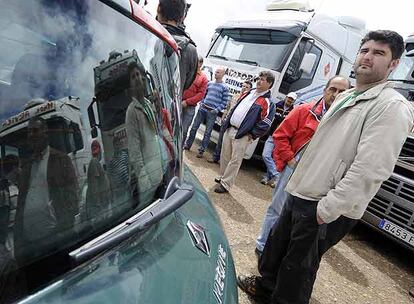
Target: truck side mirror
x=92 y=121
x=308 y=62
x=91 y=114
x=94 y=132
x=77 y=136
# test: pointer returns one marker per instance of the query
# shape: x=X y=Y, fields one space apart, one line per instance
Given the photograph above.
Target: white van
x=301 y=48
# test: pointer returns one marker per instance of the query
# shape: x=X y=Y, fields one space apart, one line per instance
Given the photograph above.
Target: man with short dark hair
x=171 y=14
x=352 y=152
x=248 y=120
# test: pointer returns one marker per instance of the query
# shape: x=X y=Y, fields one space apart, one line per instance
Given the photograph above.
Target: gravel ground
x=365 y=267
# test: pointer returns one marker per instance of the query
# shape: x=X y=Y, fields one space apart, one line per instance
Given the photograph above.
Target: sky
x=205 y=15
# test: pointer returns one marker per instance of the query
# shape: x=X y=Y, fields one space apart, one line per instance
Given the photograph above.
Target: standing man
x=283 y=108
x=47 y=203
x=353 y=151
x=215 y=101
x=144 y=148
x=293 y=134
x=171 y=14
x=192 y=96
x=98 y=194
x=246 y=86
x=248 y=120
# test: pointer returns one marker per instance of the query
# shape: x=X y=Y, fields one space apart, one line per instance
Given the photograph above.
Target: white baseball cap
x=292 y=95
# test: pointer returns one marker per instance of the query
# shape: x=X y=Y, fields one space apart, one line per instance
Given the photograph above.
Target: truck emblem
x=327 y=69
x=198 y=236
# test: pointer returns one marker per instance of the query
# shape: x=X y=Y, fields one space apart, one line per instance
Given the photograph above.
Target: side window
x=295 y=79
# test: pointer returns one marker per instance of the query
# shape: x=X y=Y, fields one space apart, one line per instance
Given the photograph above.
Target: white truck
x=302 y=48
x=67 y=131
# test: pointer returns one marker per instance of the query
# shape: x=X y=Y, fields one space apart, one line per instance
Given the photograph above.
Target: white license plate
x=397 y=231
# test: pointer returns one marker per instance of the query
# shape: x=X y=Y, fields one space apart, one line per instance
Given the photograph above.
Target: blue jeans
x=217 y=151
x=268 y=159
x=188 y=115
x=278 y=201
x=209 y=117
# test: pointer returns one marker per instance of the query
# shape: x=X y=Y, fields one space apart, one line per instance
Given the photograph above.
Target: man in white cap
x=283 y=108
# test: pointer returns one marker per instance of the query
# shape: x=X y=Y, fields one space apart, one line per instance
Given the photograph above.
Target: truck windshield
x=265 y=48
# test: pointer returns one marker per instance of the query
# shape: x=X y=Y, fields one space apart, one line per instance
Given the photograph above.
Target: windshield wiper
x=137 y=223
x=218 y=56
x=247 y=62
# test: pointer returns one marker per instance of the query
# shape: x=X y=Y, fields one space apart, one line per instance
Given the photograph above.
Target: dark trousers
x=293 y=251
x=217 y=151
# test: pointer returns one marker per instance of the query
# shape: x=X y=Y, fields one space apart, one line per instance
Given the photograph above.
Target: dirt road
x=363 y=268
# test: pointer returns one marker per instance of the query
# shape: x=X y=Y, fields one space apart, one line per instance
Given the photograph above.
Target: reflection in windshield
x=265 y=48
x=149 y=161
x=59 y=188
x=98 y=195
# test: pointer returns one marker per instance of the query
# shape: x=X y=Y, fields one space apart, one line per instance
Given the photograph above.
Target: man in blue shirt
x=216 y=99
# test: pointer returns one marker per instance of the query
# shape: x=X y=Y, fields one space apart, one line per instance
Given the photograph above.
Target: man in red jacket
x=295 y=131
x=192 y=96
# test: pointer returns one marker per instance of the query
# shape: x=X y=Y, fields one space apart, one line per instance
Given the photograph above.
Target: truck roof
x=64 y=105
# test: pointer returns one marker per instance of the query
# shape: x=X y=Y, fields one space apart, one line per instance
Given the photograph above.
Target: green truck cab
x=96 y=205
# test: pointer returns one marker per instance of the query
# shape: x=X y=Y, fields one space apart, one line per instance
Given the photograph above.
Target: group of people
x=332 y=155
x=326 y=159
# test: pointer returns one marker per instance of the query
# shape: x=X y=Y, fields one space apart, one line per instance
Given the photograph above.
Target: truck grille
x=408 y=149
x=393 y=210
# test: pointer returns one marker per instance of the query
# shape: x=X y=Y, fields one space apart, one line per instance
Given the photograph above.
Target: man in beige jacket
x=352 y=152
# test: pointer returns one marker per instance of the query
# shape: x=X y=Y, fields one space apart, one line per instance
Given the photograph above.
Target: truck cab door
x=296 y=77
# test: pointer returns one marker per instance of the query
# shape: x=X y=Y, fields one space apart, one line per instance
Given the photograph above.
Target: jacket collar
x=265 y=95
x=370 y=93
x=175 y=30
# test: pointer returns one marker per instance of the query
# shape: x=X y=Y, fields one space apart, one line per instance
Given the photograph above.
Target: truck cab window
x=295 y=79
x=242 y=45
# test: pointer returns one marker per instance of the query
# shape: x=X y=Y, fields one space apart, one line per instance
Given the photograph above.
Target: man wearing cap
x=283 y=108
x=293 y=133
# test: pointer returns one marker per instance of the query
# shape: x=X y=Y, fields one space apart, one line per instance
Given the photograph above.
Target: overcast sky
x=205 y=15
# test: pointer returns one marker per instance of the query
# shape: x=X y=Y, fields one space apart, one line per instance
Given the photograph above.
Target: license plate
x=397 y=231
